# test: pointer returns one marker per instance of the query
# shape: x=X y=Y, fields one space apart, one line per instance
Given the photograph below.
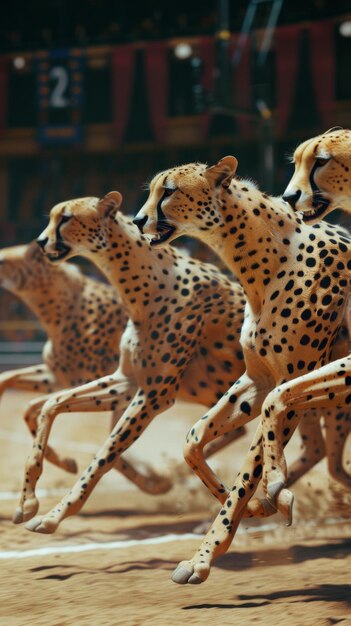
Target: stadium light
x=183 y=51
x=345 y=28
x=19 y=63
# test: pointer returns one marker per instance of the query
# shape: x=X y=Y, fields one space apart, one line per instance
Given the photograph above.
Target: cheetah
x=320 y=184
x=296 y=280
x=48 y=289
x=82 y=317
x=84 y=320
x=181 y=340
x=322 y=178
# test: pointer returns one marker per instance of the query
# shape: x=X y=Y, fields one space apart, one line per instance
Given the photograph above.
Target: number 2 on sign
x=57 y=97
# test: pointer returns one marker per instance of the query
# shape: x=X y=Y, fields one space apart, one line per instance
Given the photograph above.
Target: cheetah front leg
x=239 y=405
x=151 y=483
x=221 y=534
x=324 y=388
x=31 y=418
x=36 y=378
x=312 y=449
x=134 y=420
x=102 y=395
x=313 y=452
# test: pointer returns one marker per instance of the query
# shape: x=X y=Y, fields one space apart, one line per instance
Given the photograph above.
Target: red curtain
x=156 y=61
x=242 y=86
x=207 y=56
x=122 y=82
x=3 y=91
x=323 y=68
x=287 y=49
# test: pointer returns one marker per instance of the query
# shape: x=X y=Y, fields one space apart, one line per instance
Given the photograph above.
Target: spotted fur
x=182 y=338
x=84 y=320
x=328 y=186
x=296 y=279
x=322 y=178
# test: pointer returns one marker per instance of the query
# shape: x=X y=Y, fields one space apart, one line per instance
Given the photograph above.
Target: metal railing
x=21 y=352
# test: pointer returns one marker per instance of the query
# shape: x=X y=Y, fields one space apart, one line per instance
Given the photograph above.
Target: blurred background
x=98 y=95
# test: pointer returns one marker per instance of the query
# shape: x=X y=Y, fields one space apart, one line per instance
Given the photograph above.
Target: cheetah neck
x=54 y=297
x=254 y=239
x=132 y=266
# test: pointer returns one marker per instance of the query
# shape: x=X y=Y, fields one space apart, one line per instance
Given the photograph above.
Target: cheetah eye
x=321 y=161
x=65 y=219
x=168 y=192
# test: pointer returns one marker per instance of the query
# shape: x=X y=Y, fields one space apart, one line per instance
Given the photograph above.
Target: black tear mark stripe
x=160 y=214
x=60 y=245
x=64 y=219
x=319 y=202
x=312 y=181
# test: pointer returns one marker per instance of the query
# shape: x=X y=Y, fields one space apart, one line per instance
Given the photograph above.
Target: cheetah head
x=322 y=177
x=22 y=268
x=184 y=200
x=77 y=225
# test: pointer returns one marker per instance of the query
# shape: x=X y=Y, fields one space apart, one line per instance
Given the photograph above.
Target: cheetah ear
x=332 y=130
x=109 y=204
x=222 y=172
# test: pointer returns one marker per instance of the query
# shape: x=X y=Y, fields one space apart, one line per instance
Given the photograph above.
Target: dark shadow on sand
x=173 y=526
x=237 y=561
x=118 y=513
x=322 y=593
x=121 y=568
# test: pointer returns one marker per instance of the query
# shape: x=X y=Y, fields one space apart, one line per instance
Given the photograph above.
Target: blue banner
x=59 y=75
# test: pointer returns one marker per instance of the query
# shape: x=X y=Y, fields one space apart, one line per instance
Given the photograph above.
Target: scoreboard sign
x=59 y=75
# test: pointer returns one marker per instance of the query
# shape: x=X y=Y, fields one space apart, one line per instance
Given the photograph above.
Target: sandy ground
x=131 y=542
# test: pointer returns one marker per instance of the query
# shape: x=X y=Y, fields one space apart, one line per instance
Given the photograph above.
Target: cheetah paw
x=45 y=525
x=282 y=499
x=186 y=572
x=157 y=485
x=70 y=465
x=273 y=489
x=26 y=511
x=259 y=507
x=285 y=501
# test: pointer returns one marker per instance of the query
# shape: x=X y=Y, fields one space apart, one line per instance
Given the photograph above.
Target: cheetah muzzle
x=164 y=232
x=164 y=229
x=320 y=203
x=61 y=251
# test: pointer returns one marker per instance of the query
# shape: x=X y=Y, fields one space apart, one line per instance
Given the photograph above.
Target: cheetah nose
x=140 y=222
x=292 y=198
x=42 y=242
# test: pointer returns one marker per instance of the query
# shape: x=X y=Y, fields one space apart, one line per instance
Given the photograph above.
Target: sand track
x=298 y=576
